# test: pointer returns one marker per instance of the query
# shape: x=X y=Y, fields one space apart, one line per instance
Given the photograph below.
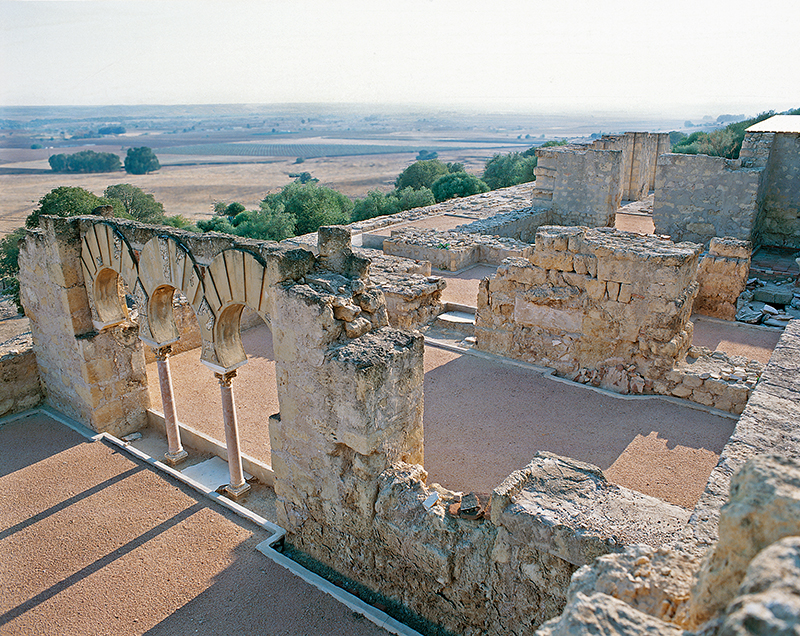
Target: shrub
x=70 y=201
x=457 y=184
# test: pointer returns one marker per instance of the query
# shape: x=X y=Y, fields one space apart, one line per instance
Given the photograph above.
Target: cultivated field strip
x=306 y=151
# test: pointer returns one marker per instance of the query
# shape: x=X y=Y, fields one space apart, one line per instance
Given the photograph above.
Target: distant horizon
x=683 y=59
x=409 y=107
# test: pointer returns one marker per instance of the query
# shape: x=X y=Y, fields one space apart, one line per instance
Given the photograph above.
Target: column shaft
x=176 y=452
x=238 y=485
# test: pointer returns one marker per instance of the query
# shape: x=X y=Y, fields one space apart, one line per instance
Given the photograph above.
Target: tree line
x=137 y=161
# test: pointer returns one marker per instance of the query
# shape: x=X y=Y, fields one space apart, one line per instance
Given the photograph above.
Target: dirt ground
x=114 y=548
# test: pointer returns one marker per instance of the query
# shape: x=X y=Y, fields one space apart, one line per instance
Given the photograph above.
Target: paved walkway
x=94 y=542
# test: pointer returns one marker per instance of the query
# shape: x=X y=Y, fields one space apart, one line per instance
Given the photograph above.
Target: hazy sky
x=690 y=56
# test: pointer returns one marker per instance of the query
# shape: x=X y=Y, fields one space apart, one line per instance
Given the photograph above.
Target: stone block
x=561 y=261
x=376 y=386
x=764 y=507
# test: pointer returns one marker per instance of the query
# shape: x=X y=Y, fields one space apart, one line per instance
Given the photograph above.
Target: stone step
x=460 y=321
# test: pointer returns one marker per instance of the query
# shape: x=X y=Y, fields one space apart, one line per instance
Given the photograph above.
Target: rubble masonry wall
x=19 y=380
x=699 y=197
x=640 y=151
x=780 y=225
x=722 y=276
x=580 y=186
x=590 y=298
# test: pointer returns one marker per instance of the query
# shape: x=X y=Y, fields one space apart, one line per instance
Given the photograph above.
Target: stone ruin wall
x=612 y=309
x=735 y=568
x=20 y=388
x=580 y=186
x=452 y=250
x=722 y=276
x=754 y=198
x=640 y=152
x=780 y=224
x=699 y=197
x=589 y=298
x=94 y=377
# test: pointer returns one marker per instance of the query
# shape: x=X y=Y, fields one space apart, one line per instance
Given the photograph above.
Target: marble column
x=176 y=452
x=238 y=485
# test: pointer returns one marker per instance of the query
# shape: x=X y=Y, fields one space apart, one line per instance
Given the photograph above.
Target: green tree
x=421 y=174
x=378 y=204
x=138 y=204
x=85 y=161
x=724 y=142
x=311 y=205
x=502 y=171
x=269 y=223
x=216 y=224
x=457 y=184
x=181 y=222
x=375 y=204
x=70 y=201
x=141 y=161
x=553 y=142
x=234 y=208
x=410 y=198
x=9 y=253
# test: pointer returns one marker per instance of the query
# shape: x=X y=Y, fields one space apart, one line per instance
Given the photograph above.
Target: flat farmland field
x=190 y=185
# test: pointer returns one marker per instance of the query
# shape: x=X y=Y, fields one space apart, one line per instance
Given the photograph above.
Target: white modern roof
x=778 y=124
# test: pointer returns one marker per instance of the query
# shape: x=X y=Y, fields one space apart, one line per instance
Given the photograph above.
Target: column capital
x=225 y=379
x=162 y=353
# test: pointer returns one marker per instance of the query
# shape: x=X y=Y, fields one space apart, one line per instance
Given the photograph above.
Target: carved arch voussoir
x=164 y=261
x=106 y=256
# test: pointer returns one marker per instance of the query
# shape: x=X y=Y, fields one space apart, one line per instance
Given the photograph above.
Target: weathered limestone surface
x=748 y=584
x=640 y=151
x=96 y=378
x=518 y=224
x=656 y=581
x=453 y=251
x=768 y=424
x=780 y=223
x=506 y=572
x=769 y=596
x=567 y=508
x=20 y=388
x=699 y=197
x=764 y=507
x=413 y=296
x=578 y=185
x=590 y=299
x=722 y=276
x=603 y=614
x=712 y=378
